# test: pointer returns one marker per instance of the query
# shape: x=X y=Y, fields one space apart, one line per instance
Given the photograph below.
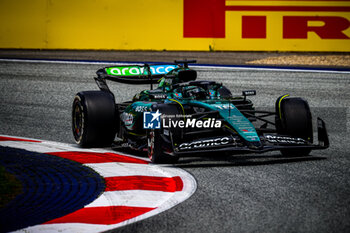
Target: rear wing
x=135 y=74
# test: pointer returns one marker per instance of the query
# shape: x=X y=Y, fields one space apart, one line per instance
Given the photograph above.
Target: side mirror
x=187 y=75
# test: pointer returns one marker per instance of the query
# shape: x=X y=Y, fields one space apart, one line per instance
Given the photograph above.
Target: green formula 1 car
x=186 y=117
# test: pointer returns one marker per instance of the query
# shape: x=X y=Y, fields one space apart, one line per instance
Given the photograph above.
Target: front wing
x=268 y=143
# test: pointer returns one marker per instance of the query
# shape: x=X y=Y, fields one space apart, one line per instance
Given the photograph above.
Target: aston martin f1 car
x=184 y=116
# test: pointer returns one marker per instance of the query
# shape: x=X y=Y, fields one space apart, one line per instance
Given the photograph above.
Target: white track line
x=138 y=198
x=225 y=67
x=118 y=169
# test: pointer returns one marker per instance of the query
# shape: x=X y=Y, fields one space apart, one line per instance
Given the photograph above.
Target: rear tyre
x=94 y=119
x=294 y=119
x=156 y=149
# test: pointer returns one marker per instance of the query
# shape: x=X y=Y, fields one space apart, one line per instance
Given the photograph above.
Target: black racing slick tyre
x=294 y=119
x=94 y=118
x=156 y=149
x=159 y=143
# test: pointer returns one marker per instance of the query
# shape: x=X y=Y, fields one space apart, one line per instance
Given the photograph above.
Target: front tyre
x=294 y=119
x=94 y=119
x=156 y=150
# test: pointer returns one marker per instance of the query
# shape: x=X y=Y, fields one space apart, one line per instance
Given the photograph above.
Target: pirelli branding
x=281 y=25
x=178 y=25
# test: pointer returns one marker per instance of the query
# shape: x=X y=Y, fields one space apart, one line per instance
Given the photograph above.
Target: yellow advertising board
x=201 y=25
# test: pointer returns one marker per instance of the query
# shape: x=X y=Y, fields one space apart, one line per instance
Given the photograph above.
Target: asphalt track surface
x=238 y=193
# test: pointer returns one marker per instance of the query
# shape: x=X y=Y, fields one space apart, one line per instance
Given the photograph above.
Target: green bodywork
x=213 y=102
x=232 y=116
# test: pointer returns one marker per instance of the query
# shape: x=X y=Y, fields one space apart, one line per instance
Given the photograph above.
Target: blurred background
x=176 y=25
